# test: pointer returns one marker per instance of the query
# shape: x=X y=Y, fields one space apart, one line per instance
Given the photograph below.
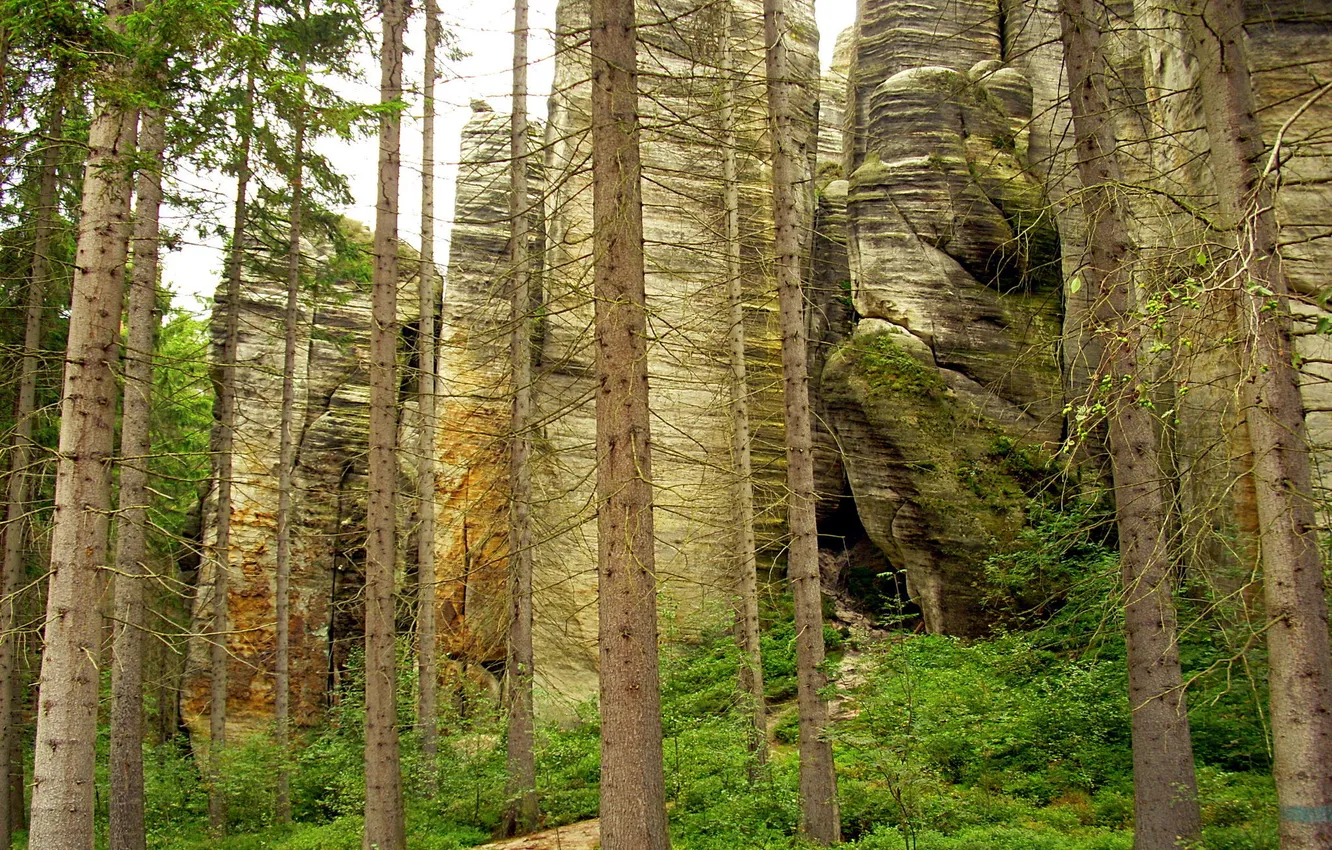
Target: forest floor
x=585 y=835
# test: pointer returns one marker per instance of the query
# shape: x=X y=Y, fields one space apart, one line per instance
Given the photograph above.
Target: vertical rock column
x=328 y=524
x=954 y=263
x=474 y=419
x=680 y=57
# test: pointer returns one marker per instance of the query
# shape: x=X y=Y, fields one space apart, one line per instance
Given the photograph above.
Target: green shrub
x=174 y=797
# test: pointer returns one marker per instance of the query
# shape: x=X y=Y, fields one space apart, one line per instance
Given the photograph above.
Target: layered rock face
x=949 y=345
x=1216 y=494
x=329 y=480
x=686 y=294
x=472 y=441
x=961 y=191
x=955 y=267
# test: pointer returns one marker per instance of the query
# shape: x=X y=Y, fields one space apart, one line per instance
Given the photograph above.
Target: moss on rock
x=939 y=486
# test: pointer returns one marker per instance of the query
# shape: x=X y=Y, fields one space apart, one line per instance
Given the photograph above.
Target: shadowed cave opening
x=858 y=572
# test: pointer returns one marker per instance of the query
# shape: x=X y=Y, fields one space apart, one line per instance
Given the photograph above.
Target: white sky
x=482 y=28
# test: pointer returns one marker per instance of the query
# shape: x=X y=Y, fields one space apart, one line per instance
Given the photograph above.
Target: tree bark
x=633 y=796
x=222 y=457
x=127 y=812
x=1299 y=666
x=521 y=810
x=21 y=446
x=62 y=802
x=384 y=828
x=1165 y=787
x=286 y=462
x=427 y=639
x=747 y=615
x=18 y=786
x=820 y=820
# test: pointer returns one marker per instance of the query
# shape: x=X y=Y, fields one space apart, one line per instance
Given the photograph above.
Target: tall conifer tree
x=63 y=799
x=820 y=820
x=384 y=825
x=1299 y=658
x=521 y=809
x=127 y=803
x=1166 y=813
x=633 y=796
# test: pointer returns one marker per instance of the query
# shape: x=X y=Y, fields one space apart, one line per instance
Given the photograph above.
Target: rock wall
x=329 y=480
x=1216 y=496
x=472 y=443
x=955 y=266
x=947 y=337
x=965 y=233
x=681 y=57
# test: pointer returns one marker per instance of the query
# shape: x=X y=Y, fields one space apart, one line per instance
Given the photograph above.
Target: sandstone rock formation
x=954 y=258
x=681 y=56
x=474 y=405
x=328 y=536
x=948 y=333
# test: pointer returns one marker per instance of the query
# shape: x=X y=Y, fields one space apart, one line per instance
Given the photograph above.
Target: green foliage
x=180 y=424
x=174 y=797
x=1020 y=741
x=569 y=769
x=1061 y=574
x=777 y=647
x=1003 y=717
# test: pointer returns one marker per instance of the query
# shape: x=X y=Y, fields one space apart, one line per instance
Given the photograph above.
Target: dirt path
x=576 y=836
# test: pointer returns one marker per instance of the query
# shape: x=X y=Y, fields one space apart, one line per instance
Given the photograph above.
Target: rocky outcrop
x=954 y=259
x=965 y=233
x=928 y=472
x=329 y=479
x=1212 y=448
x=472 y=444
x=948 y=336
x=686 y=295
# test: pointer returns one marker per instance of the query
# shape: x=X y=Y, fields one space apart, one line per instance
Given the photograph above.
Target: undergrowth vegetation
x=1016 y=742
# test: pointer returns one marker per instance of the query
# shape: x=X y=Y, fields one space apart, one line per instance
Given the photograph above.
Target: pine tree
x=521 y=811
x=127 y=803
x=384 y=825
x=818 y=782
x=225 y=443
x=633 y=796
x=1300 y=662
x=427 y=712
x=1165 y=788
x=18 y=484
x=62 y=804
x=747 y=615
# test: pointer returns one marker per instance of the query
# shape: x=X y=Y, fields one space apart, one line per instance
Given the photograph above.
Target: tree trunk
x=1299 y=668
x=1165 y=788
x=820 y=820
x=222 y=454
x=127 y=826
x=62 y=803
x=286 y=462
x=747 y=616
x=20 y=457
x=384 y=826
x=521 y=810
x=633 y=795
x=427 y=638
x=18 y=785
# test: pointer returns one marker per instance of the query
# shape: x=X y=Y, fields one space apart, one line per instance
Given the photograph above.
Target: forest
x=924 y=443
